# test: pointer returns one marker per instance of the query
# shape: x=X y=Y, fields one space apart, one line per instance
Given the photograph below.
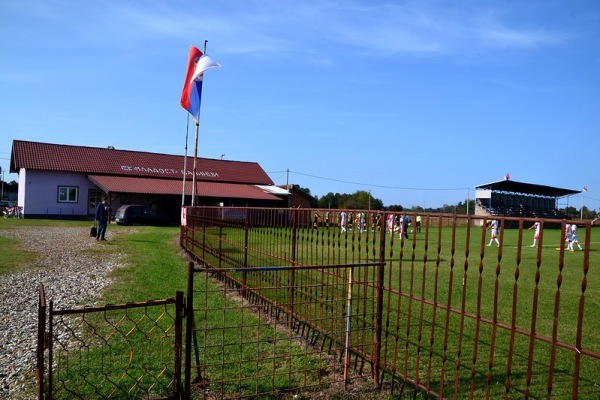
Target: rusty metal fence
x=129 y=350
x=443 y=310
x=273 y=330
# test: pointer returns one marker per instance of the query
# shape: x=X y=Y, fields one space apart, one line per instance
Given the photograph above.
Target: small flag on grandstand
x=507 y=177
x=585 y=188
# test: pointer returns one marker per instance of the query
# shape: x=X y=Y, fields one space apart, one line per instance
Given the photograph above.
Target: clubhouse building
x=62 y=181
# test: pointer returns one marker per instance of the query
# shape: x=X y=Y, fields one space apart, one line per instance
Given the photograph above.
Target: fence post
x=379 y=309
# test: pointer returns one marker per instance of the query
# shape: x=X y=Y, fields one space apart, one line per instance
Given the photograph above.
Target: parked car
x=139 y=215
x=4 y=206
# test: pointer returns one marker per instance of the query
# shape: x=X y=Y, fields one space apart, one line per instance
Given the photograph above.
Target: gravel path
x=70 y=275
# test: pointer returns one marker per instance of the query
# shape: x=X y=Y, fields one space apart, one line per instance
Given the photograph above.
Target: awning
x=526 y=188
x=274 y=190
x=122 y=184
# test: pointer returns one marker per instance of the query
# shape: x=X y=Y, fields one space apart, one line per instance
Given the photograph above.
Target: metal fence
x=117 y=351
x=265 y=331
x=443 y=309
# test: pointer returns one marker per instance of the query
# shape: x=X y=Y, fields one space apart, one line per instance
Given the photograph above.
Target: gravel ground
x=71 y=276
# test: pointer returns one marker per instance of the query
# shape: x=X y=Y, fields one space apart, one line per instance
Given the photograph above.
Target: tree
x=360 y=199
x=571 y=212
x=330 y=200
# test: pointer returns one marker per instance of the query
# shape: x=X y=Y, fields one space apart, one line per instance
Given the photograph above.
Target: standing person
x=401 y=226
x=390 y=223
x=405 y=222
x=376 y=222
x=536 y=234
x=418 y=223
x=102 y=218
x=493 y=225
x=574 y=238
x=363 y=222
x=568 y=233
x=316 y=220
x=343 y=221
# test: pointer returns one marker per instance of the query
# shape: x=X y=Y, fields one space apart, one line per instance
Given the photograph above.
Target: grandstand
x=510 y=198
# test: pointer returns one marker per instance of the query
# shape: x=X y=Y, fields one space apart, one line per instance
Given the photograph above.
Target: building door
x=94 y=197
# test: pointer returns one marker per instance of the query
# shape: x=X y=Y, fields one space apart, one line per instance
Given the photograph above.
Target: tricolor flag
x=192 y=86
x=585 y=188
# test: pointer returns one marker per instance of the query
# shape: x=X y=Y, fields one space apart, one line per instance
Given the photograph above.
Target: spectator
x=102 y=210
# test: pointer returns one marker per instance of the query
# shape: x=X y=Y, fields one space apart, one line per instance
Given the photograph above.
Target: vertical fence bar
x=580 y=314
x=553 y=348
x=50 y=349
x=478 y=308
x=348 y=328
x=203 y=227
x=462 y=313
x=179 y=315
x=41 y=341
x=292 y=277
x=379 y=307
x=245 y=249
x=435 y=300
x=448 y=303
x=189 y=314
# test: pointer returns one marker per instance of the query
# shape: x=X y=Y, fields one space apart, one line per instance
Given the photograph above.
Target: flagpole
x=187 y=130
x=581 y=211
x=196 y=148
x=198 y=63
x=195 y=164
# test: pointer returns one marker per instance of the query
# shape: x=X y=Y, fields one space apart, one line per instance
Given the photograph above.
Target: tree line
x=363 y=200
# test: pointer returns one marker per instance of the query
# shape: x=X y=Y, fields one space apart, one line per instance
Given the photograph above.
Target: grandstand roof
x=508 y=185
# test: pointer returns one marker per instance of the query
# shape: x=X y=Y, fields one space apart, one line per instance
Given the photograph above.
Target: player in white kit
x=574 y=238
x=536 y=235
x=493 y=225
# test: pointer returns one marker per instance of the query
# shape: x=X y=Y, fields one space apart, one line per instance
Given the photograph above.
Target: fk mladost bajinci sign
x=168 y=171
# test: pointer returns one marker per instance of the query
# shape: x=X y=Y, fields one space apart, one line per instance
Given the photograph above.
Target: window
x=94 y=197
x=68 y=194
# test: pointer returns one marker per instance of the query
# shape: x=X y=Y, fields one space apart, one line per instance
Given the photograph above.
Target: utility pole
x=287 y=179
x=2 y=190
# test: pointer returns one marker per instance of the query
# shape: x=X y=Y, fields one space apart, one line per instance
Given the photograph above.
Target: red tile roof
x=105 y=161
x=122 y=184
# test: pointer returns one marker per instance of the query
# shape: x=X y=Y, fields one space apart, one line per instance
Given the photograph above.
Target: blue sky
x=416 y=101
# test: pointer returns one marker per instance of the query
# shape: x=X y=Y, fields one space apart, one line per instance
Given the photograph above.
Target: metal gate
x=263 y=331
x=129 y=350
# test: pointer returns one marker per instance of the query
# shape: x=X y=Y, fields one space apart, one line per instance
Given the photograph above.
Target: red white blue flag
x=192 y=86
